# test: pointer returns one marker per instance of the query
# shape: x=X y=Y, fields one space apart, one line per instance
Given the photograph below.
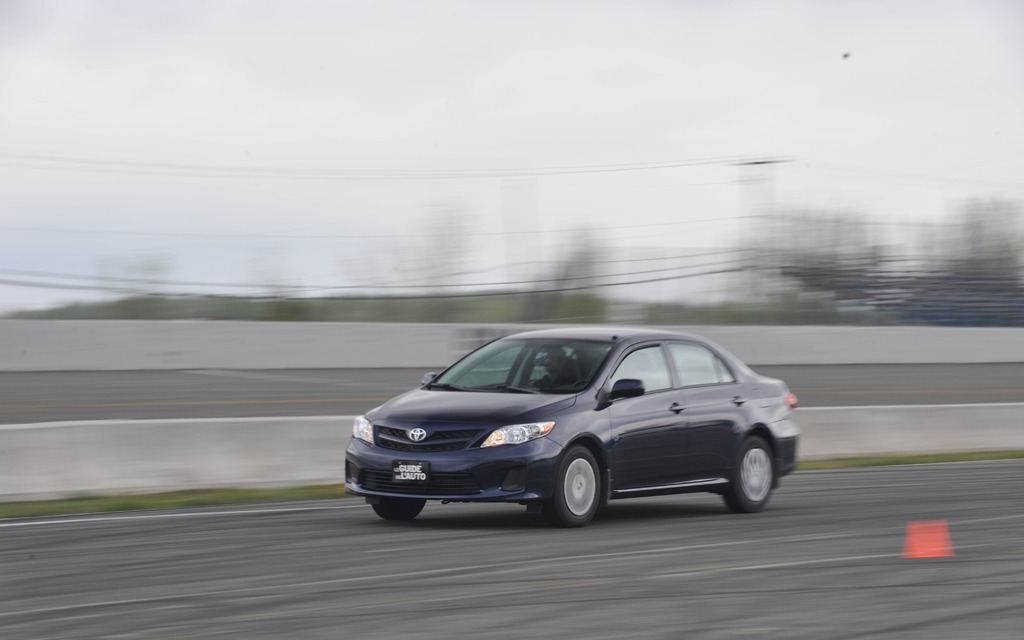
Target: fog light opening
x=515 y=479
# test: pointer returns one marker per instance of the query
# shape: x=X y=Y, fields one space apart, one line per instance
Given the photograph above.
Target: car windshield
x=527 y=366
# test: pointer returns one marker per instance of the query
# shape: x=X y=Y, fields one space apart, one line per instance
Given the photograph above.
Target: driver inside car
x=560 y=370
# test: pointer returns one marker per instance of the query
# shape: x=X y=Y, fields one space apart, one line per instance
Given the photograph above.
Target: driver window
x=645 y=364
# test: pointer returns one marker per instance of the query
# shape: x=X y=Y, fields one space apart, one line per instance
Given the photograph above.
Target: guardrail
x=62 y=459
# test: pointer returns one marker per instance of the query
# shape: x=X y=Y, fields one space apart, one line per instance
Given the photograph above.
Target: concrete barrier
x=62 y=459
x=105 y=345
x=110 y=345
x=836 y=432
x=51 y=460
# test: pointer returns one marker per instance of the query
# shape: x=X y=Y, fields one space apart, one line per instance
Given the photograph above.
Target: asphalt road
x=823 y=561
x=129 y=395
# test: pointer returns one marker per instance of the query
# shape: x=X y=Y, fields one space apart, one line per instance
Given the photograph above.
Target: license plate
x=410 y=471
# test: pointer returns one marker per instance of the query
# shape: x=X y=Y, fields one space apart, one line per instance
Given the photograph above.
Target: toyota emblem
x=417 y=434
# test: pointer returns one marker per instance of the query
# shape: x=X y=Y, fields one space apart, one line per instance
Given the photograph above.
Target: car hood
x=470 y=407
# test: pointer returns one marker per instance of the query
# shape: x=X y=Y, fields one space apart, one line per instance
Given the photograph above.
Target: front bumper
x=511 y=473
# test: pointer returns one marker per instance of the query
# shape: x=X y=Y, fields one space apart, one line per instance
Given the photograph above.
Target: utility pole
x=762 y=239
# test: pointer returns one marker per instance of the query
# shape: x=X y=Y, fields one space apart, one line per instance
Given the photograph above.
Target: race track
x=823 y=561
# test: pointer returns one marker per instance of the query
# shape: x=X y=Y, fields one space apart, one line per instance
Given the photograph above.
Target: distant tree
x=571 y=280
x=986 y=241
x=975 y=278
x=440 y=257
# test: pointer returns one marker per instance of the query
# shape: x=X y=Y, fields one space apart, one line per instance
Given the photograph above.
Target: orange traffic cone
x=927 y=539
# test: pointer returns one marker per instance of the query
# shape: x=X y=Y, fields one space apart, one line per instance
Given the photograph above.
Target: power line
x=311 y=173
x=476 y=294
x=127 y=283
x=66 y=287
x=322 y=236
x=418 y=281
x=605 y=276
x=130 y=280
x=586 y=287
x=908 y=175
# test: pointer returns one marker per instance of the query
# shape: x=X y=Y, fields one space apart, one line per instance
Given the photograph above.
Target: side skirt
x=691 y=486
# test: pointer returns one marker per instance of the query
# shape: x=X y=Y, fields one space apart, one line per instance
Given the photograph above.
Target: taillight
x=790 y=400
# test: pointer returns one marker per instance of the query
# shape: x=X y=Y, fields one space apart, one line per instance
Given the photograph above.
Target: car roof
x=608 y=334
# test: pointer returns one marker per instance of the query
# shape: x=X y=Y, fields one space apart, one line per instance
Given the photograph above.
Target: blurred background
x=650 y=162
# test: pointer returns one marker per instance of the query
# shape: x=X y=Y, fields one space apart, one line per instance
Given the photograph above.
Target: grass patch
x=216 y=497
x=926 y=458
x=176 y=499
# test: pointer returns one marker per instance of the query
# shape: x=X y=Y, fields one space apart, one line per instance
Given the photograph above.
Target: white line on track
x=900 y=407
x=773 y=565
x=251 y=375
x=283 y=377
x=175 y=514
x=394 y=550
x=158 y=422
x=894 y=468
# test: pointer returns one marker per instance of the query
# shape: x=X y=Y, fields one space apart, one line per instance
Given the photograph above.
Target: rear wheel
x=399 y=508
x=752 y=478
x=577 y=490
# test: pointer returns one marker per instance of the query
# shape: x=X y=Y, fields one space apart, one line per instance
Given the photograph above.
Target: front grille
x=415 y=446
x=440 y=484
x=441 y=440
x=461 y=434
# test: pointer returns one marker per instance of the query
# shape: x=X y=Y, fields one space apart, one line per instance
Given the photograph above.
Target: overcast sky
x=230 y=141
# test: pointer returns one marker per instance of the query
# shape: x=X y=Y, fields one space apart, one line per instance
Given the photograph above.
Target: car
x=565 y=420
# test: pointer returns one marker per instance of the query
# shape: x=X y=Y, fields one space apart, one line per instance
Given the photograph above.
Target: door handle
x=738 y=400
x=675 y=407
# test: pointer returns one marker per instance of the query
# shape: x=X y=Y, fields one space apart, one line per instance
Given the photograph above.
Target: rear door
x=714 y=408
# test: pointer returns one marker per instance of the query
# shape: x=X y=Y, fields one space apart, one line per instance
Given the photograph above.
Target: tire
x=577 y=492
x=752 y=478
x=399 y=508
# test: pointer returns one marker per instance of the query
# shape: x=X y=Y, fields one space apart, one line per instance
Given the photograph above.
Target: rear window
x=696 y=365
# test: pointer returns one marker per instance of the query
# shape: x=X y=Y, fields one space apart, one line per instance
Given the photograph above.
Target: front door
x=649 y=432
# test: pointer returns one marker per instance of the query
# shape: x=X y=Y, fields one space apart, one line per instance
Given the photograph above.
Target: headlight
x=362 y=429
x=518 y=433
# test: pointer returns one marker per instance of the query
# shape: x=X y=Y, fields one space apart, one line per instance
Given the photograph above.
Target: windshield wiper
x=445 y=386
x=511 y=389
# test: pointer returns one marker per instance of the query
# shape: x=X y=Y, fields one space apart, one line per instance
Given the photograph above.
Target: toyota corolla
x=564 y=420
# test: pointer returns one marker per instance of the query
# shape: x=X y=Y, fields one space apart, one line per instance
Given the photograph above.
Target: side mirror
x=626 y=388
x=427 y=378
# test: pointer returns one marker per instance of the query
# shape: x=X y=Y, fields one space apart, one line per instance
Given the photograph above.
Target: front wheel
x=399 y=508
x=752 y=478
x=577 y=490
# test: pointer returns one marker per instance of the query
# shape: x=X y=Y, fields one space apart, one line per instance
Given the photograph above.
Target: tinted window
x=491 y=367
x=645 y=364
x=697 y=365
x=550 y=366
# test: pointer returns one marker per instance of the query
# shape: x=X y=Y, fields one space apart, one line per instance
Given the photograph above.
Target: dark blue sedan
x=564 y=420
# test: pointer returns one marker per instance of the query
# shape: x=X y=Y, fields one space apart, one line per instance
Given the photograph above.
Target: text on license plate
x=406 y=471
